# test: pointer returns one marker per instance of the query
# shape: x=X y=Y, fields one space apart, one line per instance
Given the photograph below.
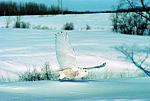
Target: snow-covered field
x=56 y=22
x=127 y=89
x=21 y=49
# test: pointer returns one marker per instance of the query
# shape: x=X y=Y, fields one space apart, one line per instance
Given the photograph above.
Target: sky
x=78 y=5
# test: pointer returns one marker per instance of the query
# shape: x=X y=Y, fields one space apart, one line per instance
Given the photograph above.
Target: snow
x=56 y=22
x=21 y=49
x=127 y=89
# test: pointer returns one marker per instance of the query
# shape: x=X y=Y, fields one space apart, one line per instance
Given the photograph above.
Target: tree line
x=134 y=21
x=9 y=8
x=28 y=8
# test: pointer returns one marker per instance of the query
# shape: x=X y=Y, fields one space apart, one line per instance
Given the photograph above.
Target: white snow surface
x=127 y=89
x=21 y=49
x=56 y=22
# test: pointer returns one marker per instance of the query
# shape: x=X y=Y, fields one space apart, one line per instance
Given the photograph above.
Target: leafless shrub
x=130 y=18
x=8 y=21
x=88 y=27
x=130 y=23
x=21 y=24
x=68 y=26
x=45 y=74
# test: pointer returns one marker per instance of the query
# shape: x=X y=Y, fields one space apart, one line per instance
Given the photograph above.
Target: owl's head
x=83 y=72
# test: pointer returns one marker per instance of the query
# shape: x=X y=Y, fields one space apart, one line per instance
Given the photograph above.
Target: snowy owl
x=67 y=59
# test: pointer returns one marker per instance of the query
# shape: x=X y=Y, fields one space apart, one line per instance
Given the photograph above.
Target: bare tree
x=60 y=5
x=133 y=4
x=18 y=22
x=8 y=21
x=135 y=22
x=138 y=57
x=116 y=15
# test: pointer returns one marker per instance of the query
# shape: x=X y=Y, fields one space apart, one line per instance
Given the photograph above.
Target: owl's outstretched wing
x=64 y=51
x=95 y=67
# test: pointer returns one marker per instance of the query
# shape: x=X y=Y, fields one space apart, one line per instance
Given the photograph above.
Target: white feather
x=64 y=51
